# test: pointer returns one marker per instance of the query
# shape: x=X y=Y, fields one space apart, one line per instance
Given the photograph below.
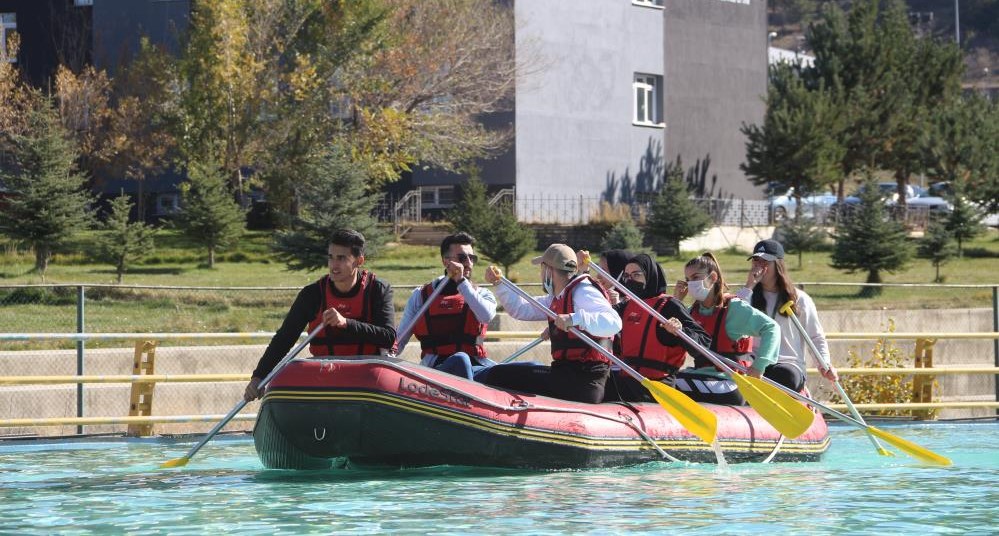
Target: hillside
x=978 y=26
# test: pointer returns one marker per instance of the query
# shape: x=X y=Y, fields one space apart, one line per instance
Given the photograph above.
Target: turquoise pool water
x=114 y=487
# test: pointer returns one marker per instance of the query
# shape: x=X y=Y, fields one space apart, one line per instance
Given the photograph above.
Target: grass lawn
x=177 y=263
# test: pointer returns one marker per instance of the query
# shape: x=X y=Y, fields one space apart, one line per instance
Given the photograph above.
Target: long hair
x=786 y=291
x=708 y=263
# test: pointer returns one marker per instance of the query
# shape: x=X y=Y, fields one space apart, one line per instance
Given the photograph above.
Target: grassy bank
x=177 y=263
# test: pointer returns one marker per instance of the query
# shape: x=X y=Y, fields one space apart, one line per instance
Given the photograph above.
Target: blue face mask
x=547 y=282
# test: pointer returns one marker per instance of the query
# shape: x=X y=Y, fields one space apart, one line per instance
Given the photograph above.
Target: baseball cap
x=559 y=257
x=768 y=250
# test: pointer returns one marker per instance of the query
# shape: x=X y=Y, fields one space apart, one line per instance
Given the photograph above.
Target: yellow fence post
x=922 y=384
x=141 y=400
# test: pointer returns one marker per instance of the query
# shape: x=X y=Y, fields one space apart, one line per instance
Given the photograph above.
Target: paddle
x=182 y=461
x=782 y=412
x=788 y=310
x=691 y=415
x=910 y=448
x=404 y=332
x=523 y=350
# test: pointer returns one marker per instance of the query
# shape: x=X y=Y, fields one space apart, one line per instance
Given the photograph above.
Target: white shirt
x=592 y=312
x=480 y=300
x=792 y=345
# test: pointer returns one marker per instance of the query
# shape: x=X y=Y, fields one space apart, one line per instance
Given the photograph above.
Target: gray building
x=716 y=78
x=626 y=87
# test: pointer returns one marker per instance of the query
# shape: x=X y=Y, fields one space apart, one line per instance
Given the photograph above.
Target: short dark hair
x=464 y=239
x=349 y=238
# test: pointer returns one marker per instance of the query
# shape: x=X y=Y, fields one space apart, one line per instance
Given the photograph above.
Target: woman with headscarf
x=613 y=262
x=644 y=344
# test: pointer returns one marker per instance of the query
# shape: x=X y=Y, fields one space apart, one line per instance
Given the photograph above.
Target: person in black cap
x=613 y=262
x=768 y=288
x=644 y=344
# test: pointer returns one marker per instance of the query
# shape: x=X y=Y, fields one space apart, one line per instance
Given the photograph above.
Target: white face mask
x=699 y=290
x=546 y=281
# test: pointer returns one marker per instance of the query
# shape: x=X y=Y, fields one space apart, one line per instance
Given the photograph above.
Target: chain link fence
x=245 y=319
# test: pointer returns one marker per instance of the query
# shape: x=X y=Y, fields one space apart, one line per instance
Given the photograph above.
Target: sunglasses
x=464 y=257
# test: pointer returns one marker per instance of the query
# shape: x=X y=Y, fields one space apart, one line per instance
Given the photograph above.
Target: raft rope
x=780 y=442
x=522 y=405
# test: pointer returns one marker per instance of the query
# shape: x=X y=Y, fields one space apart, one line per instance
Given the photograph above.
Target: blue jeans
x=461 y=364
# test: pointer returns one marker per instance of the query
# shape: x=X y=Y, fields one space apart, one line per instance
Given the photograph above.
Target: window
x=648 y=3
x=8 y=27
x=437 y=196
x=82 y=3
x=648 y=94
x=167 y=204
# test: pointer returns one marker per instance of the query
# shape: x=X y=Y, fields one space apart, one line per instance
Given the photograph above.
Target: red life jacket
x=720 y=341
x=449 y=326
x=565 y=345
x=640 y=348
x=334 y=341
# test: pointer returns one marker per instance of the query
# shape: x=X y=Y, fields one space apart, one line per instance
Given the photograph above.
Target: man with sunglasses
x=453 y=328
x=355 y=307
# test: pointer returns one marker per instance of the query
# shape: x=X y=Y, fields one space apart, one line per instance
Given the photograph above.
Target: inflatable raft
x=373 y=411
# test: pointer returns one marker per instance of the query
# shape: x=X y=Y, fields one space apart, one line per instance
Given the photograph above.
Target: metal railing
x=926 y=372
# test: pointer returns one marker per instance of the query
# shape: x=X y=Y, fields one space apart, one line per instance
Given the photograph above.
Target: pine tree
x=124 y=242
x=964 y=222
x=674 y=216
x=472 y=213
x=867 y=240
x=800 y=235
x=333 y=196
x=938 y=246
x=49 y=202
x=623 y=235
x=209 y=216
x=506 y=241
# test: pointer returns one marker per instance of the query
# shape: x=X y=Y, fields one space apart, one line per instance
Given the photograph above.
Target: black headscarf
x=655 y=277
x=617 y=259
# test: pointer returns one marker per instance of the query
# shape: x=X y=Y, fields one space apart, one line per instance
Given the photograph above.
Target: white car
x=812 y=206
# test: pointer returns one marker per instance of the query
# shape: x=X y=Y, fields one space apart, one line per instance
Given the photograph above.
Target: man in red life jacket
x=355 y=306
x=578 y=372
x=452 y=330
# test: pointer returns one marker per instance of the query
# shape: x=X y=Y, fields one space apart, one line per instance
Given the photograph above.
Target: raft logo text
x=432 y=392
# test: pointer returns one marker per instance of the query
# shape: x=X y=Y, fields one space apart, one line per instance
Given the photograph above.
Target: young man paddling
x=355 y=306
x=451 y=332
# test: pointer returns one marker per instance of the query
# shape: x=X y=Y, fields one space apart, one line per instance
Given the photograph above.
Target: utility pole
x=957 y=23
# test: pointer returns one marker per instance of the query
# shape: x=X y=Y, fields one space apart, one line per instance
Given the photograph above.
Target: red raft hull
x=389 y=412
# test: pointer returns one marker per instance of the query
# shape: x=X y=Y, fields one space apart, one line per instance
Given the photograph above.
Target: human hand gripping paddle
x=691 y=415
x=788 y=310
x=784 y=413
x=182 y=461
x=906 y=446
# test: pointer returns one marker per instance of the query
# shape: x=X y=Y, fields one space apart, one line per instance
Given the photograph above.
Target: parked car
x=812 y=206
x=945 y=190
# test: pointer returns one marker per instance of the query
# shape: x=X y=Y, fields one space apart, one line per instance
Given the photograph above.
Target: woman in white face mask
x=731 y=323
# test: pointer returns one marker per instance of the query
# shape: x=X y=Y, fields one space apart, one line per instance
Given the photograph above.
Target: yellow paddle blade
x=784 y=413
x=691 y=415
x=176 y=462
x=910 y=448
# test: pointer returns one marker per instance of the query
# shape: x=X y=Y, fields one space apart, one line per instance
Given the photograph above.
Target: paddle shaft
x=523 y=350
x=788 y=311
x=242 y=403
x=662 y=320
x=572 y=329
x=404 y=332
